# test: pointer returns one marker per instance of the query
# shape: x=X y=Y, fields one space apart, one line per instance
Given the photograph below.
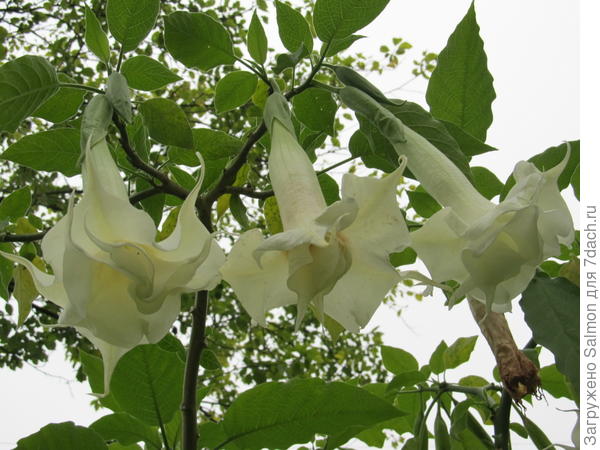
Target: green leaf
x=256 y=41
x=486 y=182
x=234 y=90
x=6 y=270
x=519 y=429
x=406 y=256
x=153 y=205
x=547 y=160
x=272 y=217
x=339 y=45
x=25 y=84
x=278 y=415
x=24 y=292
x=551 y=307
x=329 y=187
x=56 y=150
x=293 y=28
x=316 y=109
x=397 y=360
x=238 y=209
x=216 y=144
x=63 y=105
x=461 y=88
x=183 y=178
x=117 y=93
x=209 y=360
x=147 y=74
x=362 y=145
x=171 y=344
x=336 y=19
x=287 y=60
x=197 y=40
x=423 y=203
x=537 y=436
x=405 y=379
x=15 y=205
x=167 y=123
x=440 y=433
x=62 y=436
x=94 y=370
x=575 y=182
x=95 y=37
x=459 y=352
x=147 y=383
x=126 y=429
x=554 y=382
x=469 y=145
x=130 y=21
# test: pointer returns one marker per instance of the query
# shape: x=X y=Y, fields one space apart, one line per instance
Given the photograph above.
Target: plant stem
x=192 y=365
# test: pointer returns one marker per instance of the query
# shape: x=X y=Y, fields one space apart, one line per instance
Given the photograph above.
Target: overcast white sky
x=533 y=54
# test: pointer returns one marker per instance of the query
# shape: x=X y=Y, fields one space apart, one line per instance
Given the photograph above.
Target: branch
x=248 y=192
x=143 y=195
x=192 y=365
x=23 y=237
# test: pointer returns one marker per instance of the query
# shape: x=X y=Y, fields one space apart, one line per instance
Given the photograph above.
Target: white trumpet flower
x=492 y=250
x=335 y=258
x=115 y=283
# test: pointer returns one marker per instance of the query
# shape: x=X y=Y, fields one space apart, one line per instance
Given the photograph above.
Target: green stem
x=337 y=164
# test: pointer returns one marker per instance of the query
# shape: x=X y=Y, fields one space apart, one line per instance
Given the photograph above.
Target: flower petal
x=259 y=290
x=379 y=220
x=358 y=294
x=47 y=285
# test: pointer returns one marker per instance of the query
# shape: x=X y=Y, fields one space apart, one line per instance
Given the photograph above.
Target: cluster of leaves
x=204 y=88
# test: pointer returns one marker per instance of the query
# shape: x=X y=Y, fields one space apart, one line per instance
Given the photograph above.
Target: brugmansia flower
x=492 y=250
x=115 y=283
x=334 y=258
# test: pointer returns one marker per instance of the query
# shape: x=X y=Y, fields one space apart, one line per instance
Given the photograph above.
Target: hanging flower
x=115 y=283
x=334 y=258
x=492 y=250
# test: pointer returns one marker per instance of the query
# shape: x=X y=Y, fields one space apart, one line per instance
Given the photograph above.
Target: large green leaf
x=293 y=28
x=316 y=109
x=56 y=150
x=547 y=160
x=461 y=88
x=147 y=383
x=337 y=19
x=459 y=352
x=397 y=360
x=95 y=37
x=130 y=21
x=278 y=415
x=147 y=74
x=215 y=144
x=551 y=307
x=167 y=123
x=468 y=144
x=197 y=40
x=25 y=84
x=126 y=429
x=234 y=90
x=62 y=436
x=63 y=105
x=256 y=41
